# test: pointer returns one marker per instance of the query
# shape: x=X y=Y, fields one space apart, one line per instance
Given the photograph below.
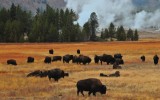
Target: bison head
x=103 y=89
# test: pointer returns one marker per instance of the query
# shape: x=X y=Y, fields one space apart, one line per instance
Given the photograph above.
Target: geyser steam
x=129 y=13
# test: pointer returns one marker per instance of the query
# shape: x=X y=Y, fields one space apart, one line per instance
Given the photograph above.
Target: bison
x=12 y=62
x=56 y=74
x=84 y=59
x=75 y=59
x=103 y=75
x=96 y=59
x=156 y=58
x=109 y=59
x=116 y=74
x=51 y=51
x=47 y=60
x=92 y=85
x=56 y=58
x=78 y=51
x=67 y=58
x=30 y=60
x=143 y=58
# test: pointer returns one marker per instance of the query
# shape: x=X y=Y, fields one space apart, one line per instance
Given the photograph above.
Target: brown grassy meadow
x=138 y=81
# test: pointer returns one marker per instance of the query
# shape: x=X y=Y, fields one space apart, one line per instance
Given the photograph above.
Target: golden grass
x=138 y=80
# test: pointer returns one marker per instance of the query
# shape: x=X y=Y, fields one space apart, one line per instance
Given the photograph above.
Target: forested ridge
x=55 y=25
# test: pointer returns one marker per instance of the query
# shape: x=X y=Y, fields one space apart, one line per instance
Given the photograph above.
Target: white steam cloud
x=120 y=12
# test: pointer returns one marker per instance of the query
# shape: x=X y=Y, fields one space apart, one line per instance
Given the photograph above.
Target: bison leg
x=94 y=93
x=78 y=92
x=101 y=62
x=82 y=92
x=89 y=93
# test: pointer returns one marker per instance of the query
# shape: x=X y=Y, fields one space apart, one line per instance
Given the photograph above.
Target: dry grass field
x=138 y=81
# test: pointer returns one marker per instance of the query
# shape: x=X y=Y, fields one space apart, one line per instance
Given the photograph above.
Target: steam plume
x=129 y=13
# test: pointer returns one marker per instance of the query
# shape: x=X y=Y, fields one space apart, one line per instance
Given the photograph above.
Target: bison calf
x=92 y=85
x=51 y=51
x=47 y=60
x=12 y=62
x=156 y=58
x=143 y=58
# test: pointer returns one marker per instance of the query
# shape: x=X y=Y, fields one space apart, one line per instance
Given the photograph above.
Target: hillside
x=33 y=4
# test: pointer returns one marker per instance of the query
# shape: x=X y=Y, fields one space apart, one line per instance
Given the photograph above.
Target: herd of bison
x=92 y=85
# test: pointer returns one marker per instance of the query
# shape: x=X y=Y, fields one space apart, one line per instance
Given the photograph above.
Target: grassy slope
x=138 y=80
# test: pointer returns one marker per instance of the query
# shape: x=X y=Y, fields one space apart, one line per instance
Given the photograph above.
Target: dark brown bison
x=56 y=58
x=56 y=74
x=109 y=59
x=92 y=85
x=51 y=51
x=116 y=74
x=84 y=59
x=155 y=59
x=38 y=73
x=11 y=62
x=143 y=58
x=47 y=60
x=78 y=51
x=103 y=75
x=67 y=58
x=96 y=59
x=30 y=60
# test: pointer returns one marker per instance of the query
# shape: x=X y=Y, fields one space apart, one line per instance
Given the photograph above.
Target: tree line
x=119 y=33
x=53 y=25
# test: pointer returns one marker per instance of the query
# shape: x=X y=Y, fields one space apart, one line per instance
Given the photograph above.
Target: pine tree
x=130 y=35
x=136 y=36
x=111 y=30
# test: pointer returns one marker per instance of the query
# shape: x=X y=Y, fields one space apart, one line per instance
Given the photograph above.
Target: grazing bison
x=56 y=58
x=116 y=66
x=109 y=59
x=78 y=51
x=143 y=58
x=116 y=74
x=12 y=62
x=118 y=56
x=47 y=60
x=84 y=59
x=56 y=74
x=67 y=58
x=92 y=85
x=51 y=51
x=30 y=60
x=156 y=58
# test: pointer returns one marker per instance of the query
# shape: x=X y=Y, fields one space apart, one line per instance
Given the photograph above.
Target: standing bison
x=11 y=62
x=51 y=51
x=109 y=59
x=67 y=58
x=56 y=58
x=84 y=59
x=97 y=59
x=143 y=58
x=56 y=74
x=155 y=59
x=78 y=51
x=47 y=60
x=92 y=85
x=30 y=60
